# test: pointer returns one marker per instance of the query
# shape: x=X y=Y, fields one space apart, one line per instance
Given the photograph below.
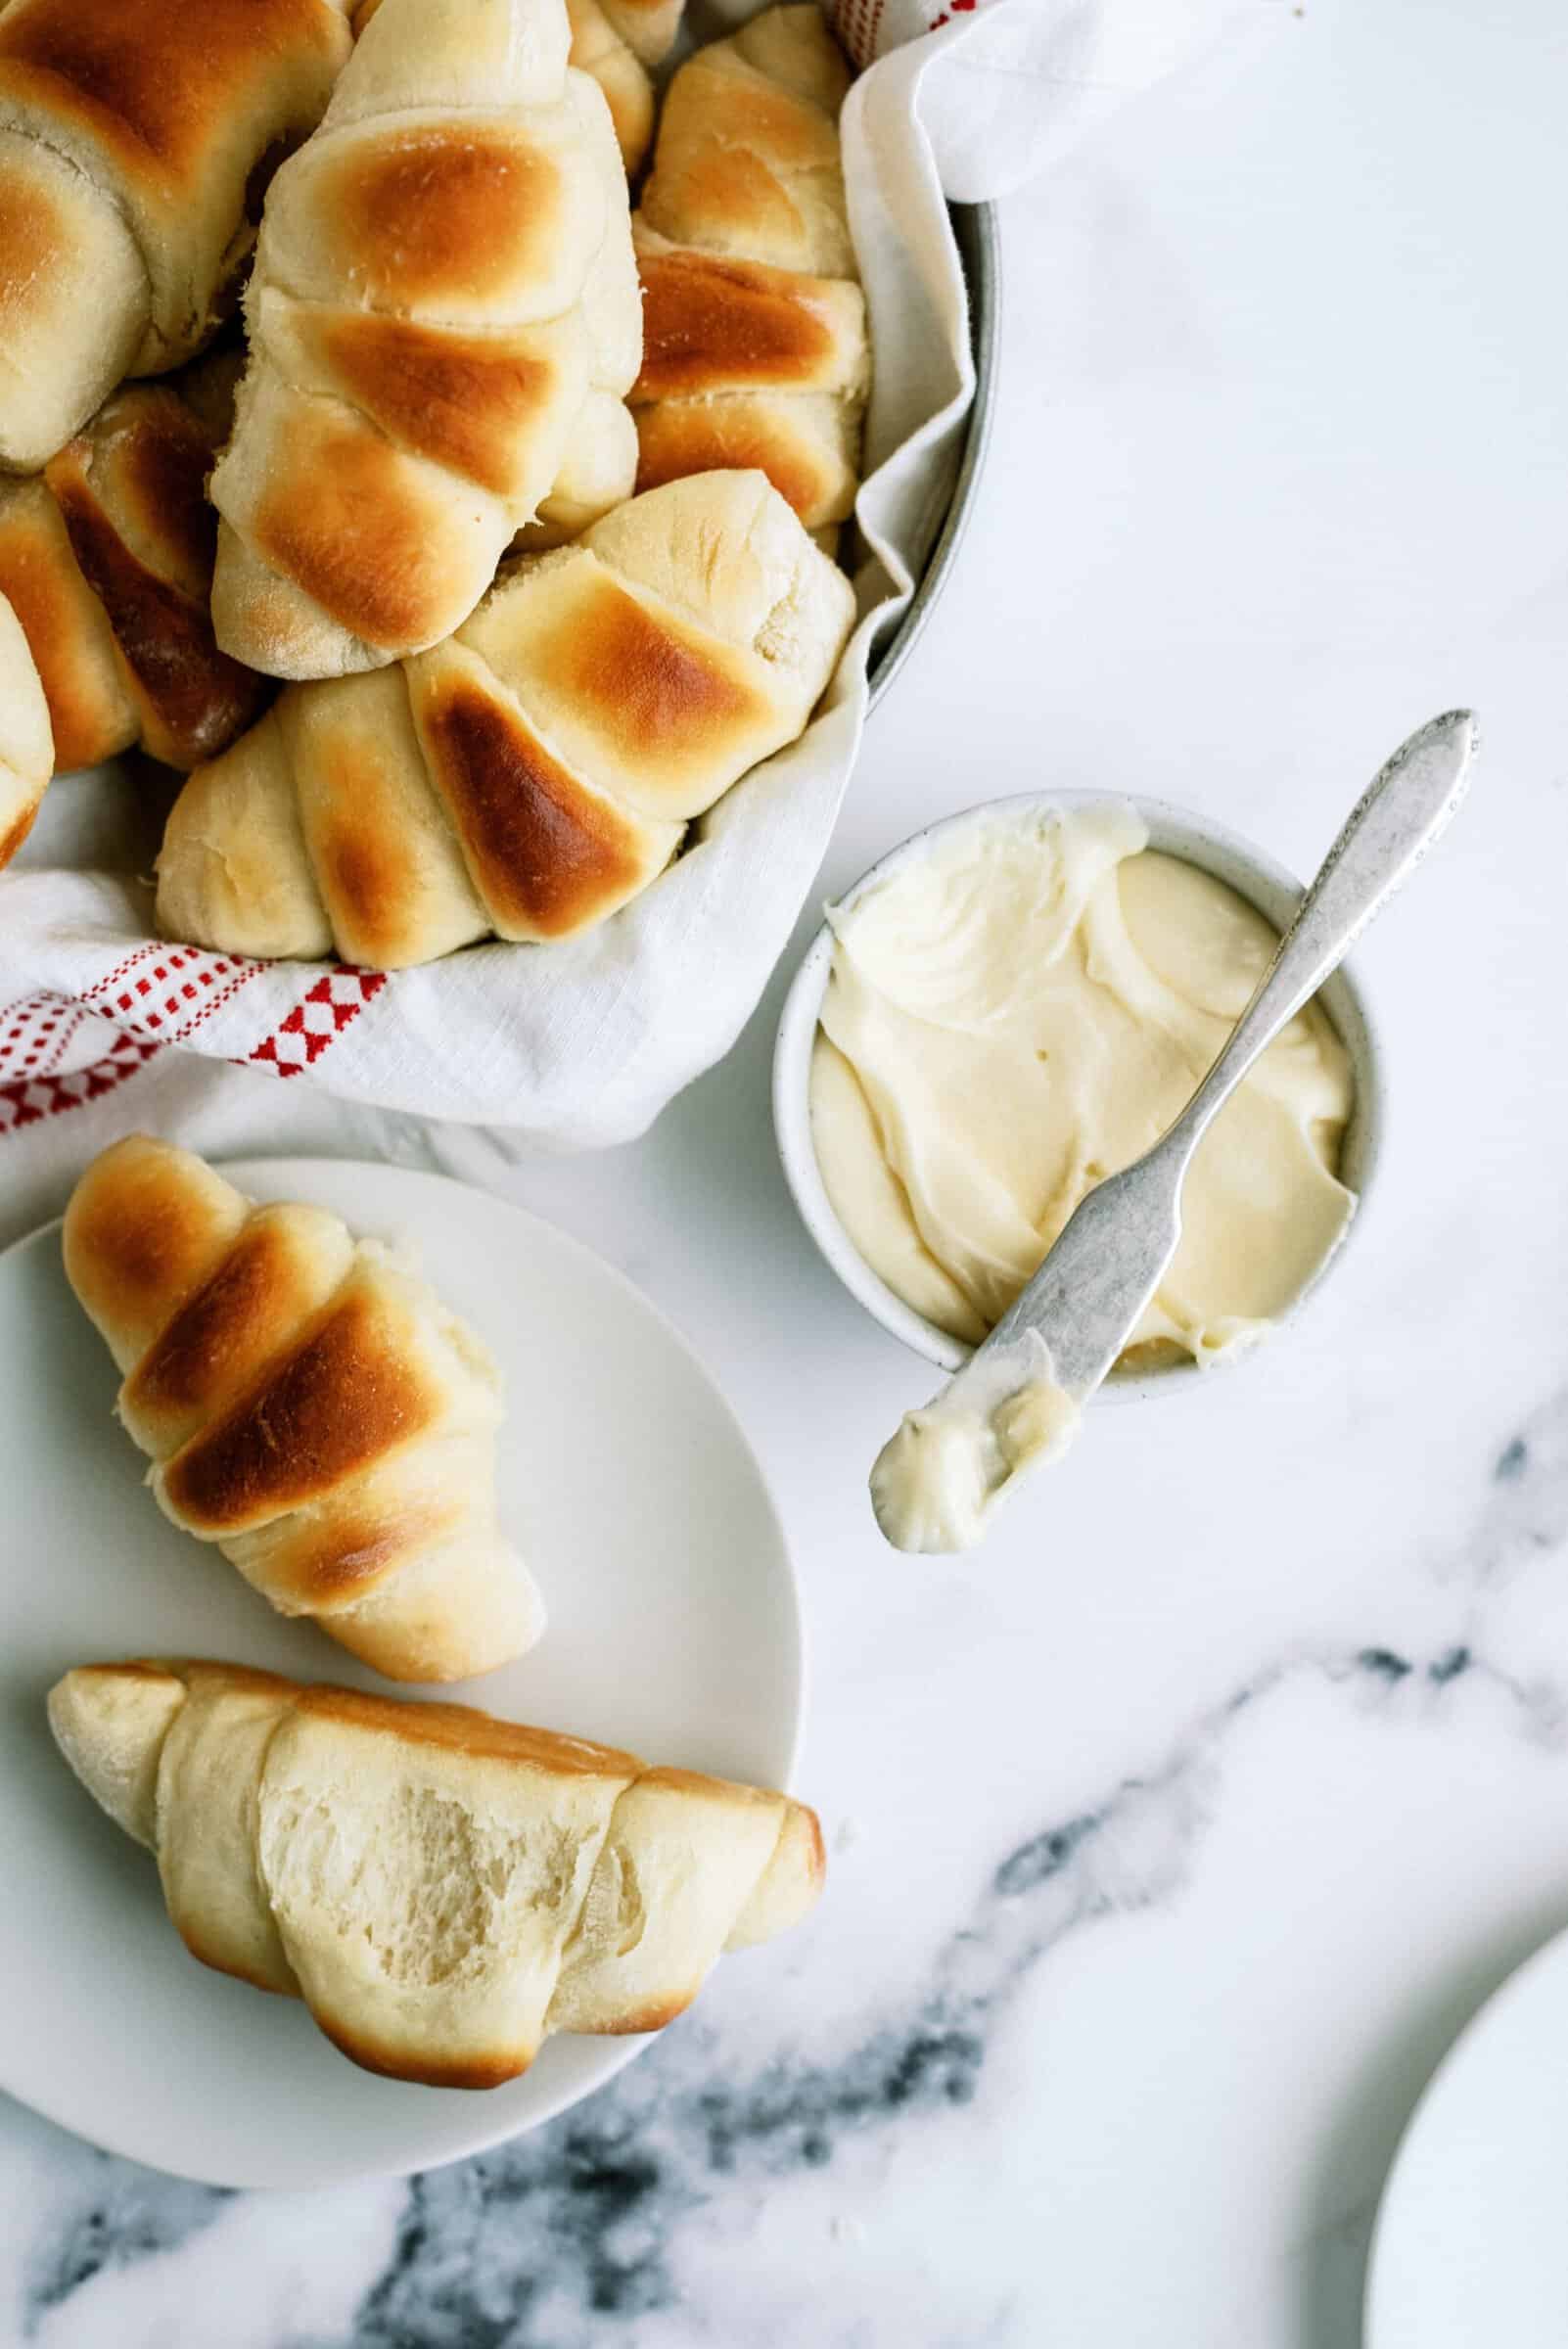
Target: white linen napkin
x=104 y=1028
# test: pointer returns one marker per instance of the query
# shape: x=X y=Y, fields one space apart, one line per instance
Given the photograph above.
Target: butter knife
x=1017 y=1399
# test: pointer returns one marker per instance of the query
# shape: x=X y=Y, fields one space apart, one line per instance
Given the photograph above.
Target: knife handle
x=1389 y=830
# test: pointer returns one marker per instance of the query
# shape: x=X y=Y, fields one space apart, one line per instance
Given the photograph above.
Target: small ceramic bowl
x=1178 y=832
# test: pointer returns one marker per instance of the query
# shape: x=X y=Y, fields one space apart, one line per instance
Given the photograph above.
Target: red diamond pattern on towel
x=27 y=1100
x=322 y=1014
x=28 y=1032
x=166 y=1002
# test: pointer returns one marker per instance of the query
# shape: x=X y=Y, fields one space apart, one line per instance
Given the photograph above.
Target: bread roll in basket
x=755 y=341
x=26 y=744
x=106 y=559
x=442 y=322
x=533 y=773
x=136 y=137
x=385 y=889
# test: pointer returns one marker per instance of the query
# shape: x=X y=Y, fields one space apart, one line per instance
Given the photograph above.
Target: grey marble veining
x=1527 y=1511
x=123 y=2213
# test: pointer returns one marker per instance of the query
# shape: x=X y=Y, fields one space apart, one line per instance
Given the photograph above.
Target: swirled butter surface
x=1022 y=1009
x=936 y=1483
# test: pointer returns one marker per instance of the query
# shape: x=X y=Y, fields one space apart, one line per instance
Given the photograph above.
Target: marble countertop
x=1174 y=1839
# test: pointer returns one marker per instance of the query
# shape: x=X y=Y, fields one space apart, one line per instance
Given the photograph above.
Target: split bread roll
x=133 y=138
x=755 y=348
x=444 y=1890
x=26 y=746
x=443 y=319
x=309 y=1405
x=107 y=557
x=535 y=772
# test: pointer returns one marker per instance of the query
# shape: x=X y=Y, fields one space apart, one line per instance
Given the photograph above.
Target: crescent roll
x=107 y=557
x=754 y=347
x=443 y=319
x=444 y=1890
x=310 y=1406
x=27 y=745
x=535 y=772
x=136 y=137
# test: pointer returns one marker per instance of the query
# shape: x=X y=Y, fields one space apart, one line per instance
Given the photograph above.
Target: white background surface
x=1280 y=467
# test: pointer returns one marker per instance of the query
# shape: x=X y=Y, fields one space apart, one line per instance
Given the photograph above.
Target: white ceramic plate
x=1470 y=2248
x=674 y=1631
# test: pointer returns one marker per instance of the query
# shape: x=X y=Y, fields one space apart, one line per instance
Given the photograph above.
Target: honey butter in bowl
x=1023 y=1009
x=1013 y=1006
x=1022 y=1043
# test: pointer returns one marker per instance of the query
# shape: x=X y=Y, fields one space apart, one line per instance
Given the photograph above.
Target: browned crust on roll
x=366 y=873
x=358 y=546
x=197 y=1672
x=652 y=2015
x=193 y=698
x=470 y=1757
x=31 y=232
x=12 y=840
x=732 y=147
x=141 y=1667
x=733 y=435
x=154 y=83
x=394 y=2061
x=724 y=107
x=464 y=402
x=702 y=1782
x=710 y=322
x=816 y=1867
x=751 y=308
x=258 y=1288
x=142 y=1230
x=442 y=208
x=466 y=1729
x=90 y=711
x=645 y=675
x=206 y=1953
x=597 y=48
x=334 y=1564
x=545 y=854
x=158 y=455
x=342 y=1399
x=36 y=230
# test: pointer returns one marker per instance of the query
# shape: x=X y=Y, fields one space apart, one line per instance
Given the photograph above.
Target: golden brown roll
x=107 y=557
x=538 y=771
x=754 y=350
x=26 y=748
x=135 y=136
x=443 y=321
x=597 y=48
x=616 y=41
x=310 y=1406
x=646 y=27
x=444 y=1890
